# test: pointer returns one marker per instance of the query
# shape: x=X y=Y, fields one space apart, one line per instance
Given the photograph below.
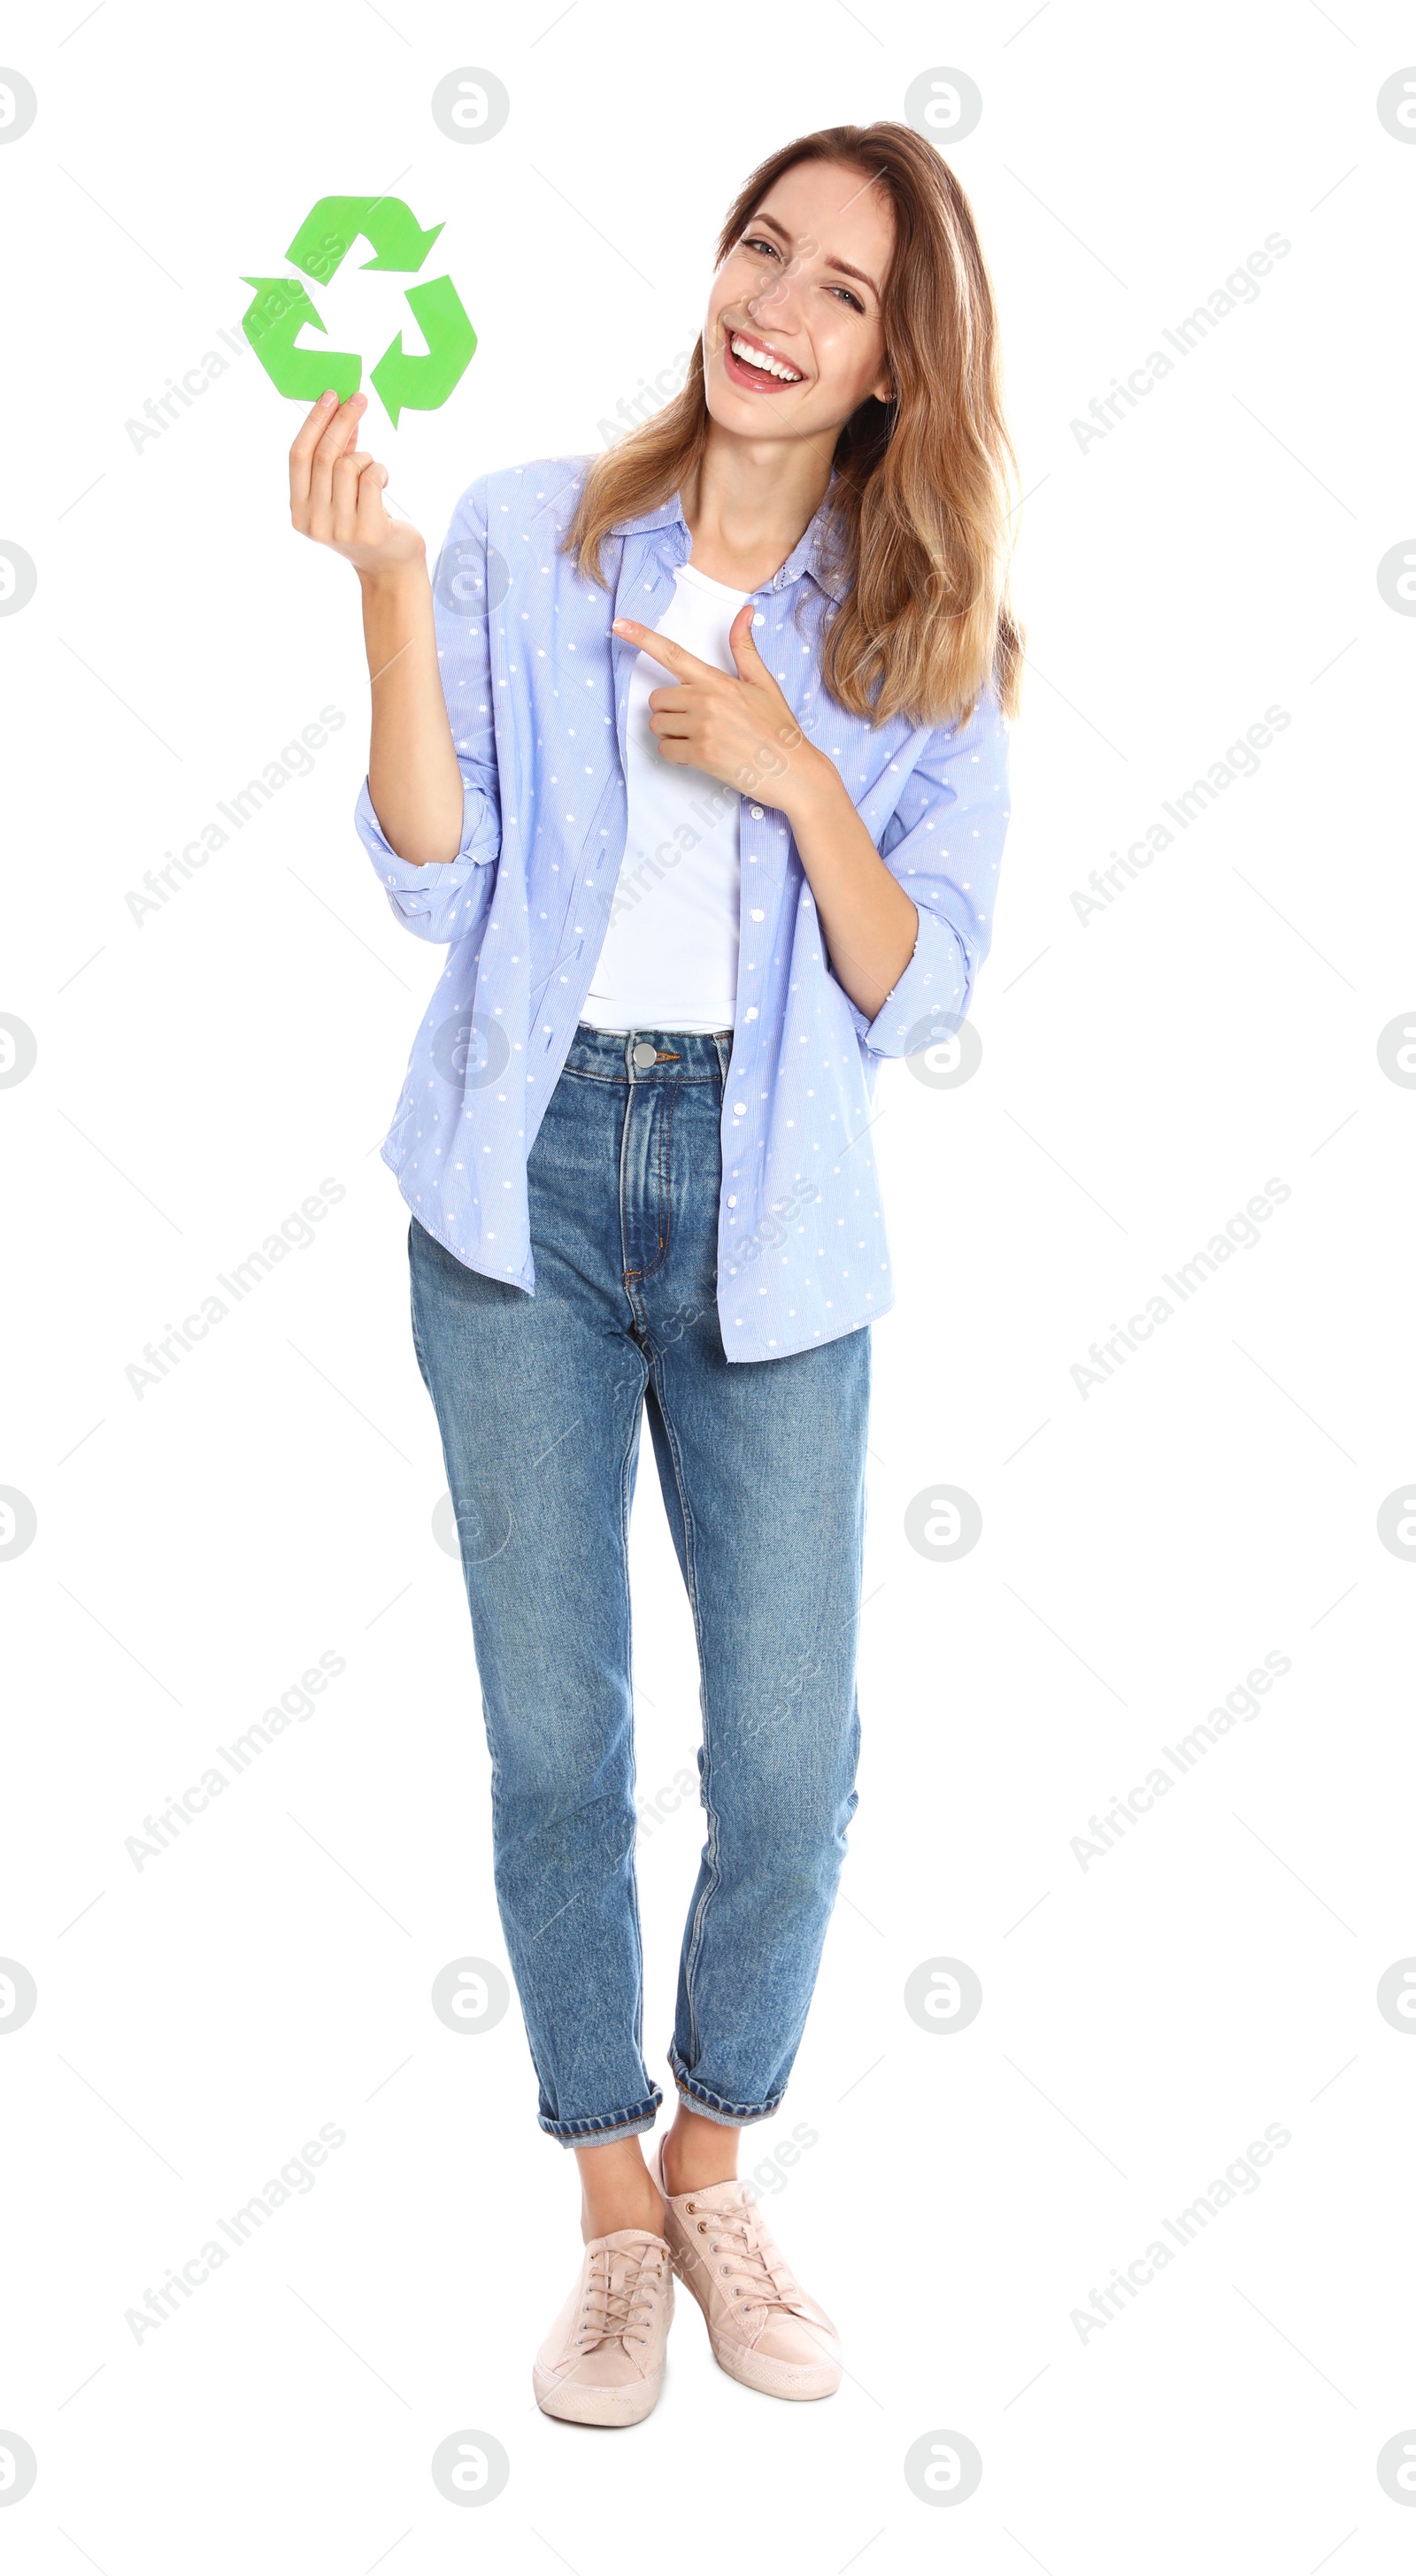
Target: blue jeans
x=761 y=1464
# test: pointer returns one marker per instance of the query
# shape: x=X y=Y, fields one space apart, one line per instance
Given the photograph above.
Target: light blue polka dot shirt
x=536 y=689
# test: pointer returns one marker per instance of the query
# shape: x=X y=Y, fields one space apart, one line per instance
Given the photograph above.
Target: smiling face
x=794 y=341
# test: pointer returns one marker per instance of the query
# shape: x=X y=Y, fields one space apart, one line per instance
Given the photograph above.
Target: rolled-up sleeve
x=944 y=844
x=446 y=899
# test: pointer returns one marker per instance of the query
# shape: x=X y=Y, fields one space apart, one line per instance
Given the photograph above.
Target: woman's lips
x=740 y=371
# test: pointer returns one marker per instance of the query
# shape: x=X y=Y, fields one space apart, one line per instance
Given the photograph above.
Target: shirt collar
x=811 y=553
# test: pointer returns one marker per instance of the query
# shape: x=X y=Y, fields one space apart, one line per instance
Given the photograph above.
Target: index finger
x=660 y=648
x=307 y=438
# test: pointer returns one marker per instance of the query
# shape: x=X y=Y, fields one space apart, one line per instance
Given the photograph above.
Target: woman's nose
x=778 y=303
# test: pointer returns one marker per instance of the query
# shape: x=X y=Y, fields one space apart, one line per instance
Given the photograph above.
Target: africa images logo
x=281 y=309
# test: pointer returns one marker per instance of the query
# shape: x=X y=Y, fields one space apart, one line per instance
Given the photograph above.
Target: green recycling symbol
x=282 y=308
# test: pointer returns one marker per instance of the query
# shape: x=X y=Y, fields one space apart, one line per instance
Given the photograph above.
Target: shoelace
x=771 y=2284
x=618 y=2311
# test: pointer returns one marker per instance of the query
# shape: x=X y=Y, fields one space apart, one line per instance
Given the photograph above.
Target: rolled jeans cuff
x=599 y=2130
x=711 y=2106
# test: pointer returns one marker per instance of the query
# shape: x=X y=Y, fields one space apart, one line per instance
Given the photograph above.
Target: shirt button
x=756 y=812
x=643 y=1055
x=739 y=1108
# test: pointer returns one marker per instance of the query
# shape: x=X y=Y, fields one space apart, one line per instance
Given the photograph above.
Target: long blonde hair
x=921 y=506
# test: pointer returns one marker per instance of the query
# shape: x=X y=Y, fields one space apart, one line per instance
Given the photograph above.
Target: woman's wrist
x=406 y=580
x=812 y=788
x=398 y=612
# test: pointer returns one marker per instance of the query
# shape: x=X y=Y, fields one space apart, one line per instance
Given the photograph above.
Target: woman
x=693 y=756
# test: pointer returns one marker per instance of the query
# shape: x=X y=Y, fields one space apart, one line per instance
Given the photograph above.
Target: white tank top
x=670 y=953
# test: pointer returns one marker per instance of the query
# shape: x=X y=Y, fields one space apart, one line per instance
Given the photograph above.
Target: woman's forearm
x=868 y=919
x=738 y=727
x=415 y=784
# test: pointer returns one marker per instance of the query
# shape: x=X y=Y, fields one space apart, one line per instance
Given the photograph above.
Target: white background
x=1144 y=1546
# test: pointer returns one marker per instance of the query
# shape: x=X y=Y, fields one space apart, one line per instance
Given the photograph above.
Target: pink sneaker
x=603 y=2360
x=763 y=2328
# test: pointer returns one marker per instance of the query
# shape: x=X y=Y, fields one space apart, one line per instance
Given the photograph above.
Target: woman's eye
x=853 y=300
x=753 y=241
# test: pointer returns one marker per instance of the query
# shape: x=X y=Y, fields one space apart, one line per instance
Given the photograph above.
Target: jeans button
x=644 y=1055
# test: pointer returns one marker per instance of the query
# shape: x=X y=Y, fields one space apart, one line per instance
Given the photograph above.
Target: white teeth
x=759 y=358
